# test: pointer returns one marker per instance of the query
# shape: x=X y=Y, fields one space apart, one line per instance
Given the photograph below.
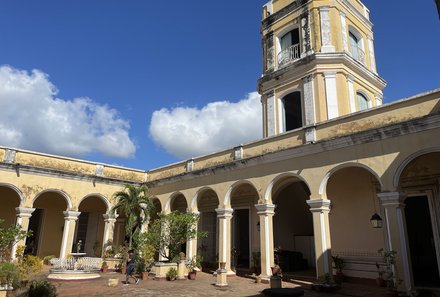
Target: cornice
x=315 y=61
x=354 y=10
x=270 y=20
x=372 y=135
x=53 y=173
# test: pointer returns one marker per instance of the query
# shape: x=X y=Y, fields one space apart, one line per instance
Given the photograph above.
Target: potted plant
x=46 y=259
x=104 y=267
x=390 y=273
x=9 y=275
x=141 y=268
x=193 y=265
x=171 y=274
x=325 y=284
x=339 y=266
x=41 y=288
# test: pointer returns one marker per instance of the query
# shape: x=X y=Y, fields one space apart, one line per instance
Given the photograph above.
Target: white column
x=119 y=230
x=309 y=100
x=326 y=37
x=23 y=215
x=224 y=249
x=378 y=98
x=109 y=229
x=331 y=95
x=191 y=245
x=344 y=32
x=372 y=57
x=321 y=229
x=145 y=222
x=271 y=116
x=266 y=212
x=70 y=218
x=395 y=226
x=351 y=97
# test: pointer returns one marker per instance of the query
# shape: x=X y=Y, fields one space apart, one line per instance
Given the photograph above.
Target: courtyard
x=202 y=286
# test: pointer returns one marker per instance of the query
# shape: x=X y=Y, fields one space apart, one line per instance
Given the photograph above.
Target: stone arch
x=171 y=199
x=227 y=199
x=90 y=225
x=11 y=198
x=352 y=189
x=268 y=192
x=62 y=193
x=102 y=197
x=292 y=222
x=324 y=182
x=16 y=190
x=195 y=200
x=48 y=221
x=156 y=201
x=409 y=159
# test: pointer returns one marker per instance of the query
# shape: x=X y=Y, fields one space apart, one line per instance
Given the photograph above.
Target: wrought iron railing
x=85 y=264
x=288 y=55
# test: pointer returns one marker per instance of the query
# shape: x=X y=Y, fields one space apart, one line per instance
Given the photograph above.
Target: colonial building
x=332 y=156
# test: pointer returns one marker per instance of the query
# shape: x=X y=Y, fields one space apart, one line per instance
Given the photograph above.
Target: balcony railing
x=288 y=55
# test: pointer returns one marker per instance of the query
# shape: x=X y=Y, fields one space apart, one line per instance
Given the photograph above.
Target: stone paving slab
x=202 y=286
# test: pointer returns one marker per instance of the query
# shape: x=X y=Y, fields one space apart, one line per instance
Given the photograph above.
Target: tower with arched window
x=318 y=63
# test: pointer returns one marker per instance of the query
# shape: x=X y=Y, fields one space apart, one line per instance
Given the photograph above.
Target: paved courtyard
x=202 y=286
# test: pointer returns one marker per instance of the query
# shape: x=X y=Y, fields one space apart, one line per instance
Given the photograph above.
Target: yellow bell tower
x=318 y=63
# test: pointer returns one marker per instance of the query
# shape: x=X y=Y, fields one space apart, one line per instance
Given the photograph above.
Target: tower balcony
x=288 y=55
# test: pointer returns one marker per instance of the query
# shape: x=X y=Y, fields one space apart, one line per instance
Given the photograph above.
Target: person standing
x=130 y=268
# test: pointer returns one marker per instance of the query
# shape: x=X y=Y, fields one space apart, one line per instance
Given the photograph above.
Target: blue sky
x=146 y=83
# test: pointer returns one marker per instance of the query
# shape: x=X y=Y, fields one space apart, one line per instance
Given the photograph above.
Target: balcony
x=288 y=55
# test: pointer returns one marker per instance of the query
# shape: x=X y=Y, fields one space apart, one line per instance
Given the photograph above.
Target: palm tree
x=137 y=207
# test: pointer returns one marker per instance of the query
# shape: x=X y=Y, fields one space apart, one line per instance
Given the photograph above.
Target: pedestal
x=222 y=278
x=275 y=282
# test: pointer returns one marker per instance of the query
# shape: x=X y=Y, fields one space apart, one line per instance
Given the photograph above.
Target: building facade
x=332 y=156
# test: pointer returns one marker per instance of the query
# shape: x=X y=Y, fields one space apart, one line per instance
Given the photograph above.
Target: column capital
x=390 y=199
x=23 y=212
x=224 y=212
x=319 y=205
x=265 y=209
x=71 y=215
x=110 y=218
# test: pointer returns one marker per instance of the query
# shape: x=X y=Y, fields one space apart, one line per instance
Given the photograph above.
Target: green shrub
x=29 y=265
x=42 y=289
x=172 y=273
x=9 y=274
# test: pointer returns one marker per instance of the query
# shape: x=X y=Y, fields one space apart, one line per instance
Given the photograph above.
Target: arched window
x=292 y=111
x=289 y=47
x=356 y=46
x=362 y=101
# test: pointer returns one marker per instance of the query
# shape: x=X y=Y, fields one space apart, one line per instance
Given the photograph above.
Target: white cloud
x=187 y=132
x=31 y=117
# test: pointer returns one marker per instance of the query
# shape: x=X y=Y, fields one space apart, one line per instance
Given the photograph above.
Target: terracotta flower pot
x=192 y=275
x=144 y=275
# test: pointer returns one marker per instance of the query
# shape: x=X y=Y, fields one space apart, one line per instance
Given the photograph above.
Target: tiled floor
x=202 y=286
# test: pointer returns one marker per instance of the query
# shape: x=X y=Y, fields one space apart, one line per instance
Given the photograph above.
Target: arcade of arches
x=305 y=202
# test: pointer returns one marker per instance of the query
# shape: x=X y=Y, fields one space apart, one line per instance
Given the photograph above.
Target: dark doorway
x=421 y=242
x=292 y=111
x=83 y=221
x=241 y=238
x=35 y=227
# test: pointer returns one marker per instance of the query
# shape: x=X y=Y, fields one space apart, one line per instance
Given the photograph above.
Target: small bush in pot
x=171 y=274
